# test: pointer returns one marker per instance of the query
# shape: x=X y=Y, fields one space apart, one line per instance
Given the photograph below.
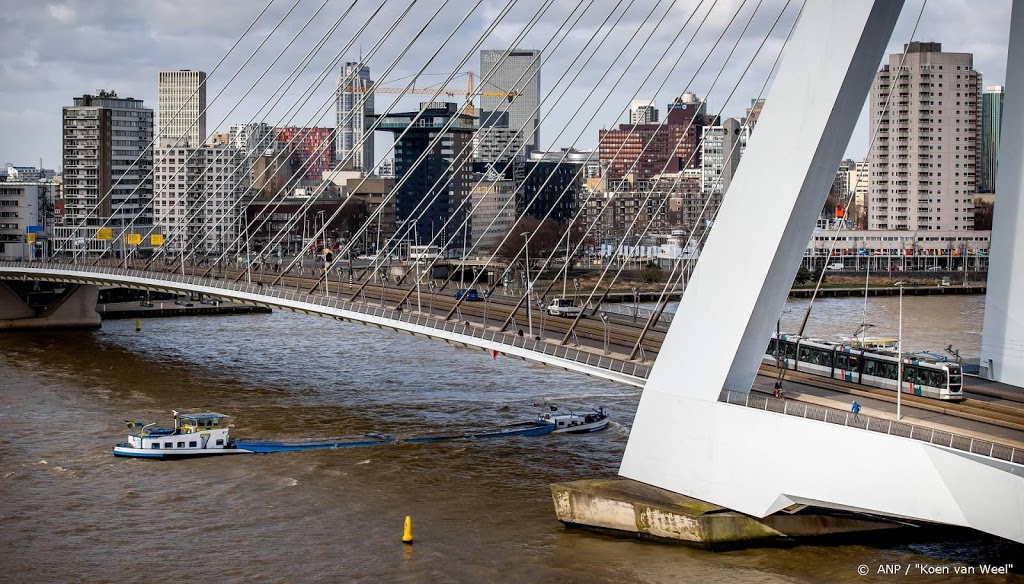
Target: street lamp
x=636 y=303
x=899 y=354
x=604 y=319
x=529 y=283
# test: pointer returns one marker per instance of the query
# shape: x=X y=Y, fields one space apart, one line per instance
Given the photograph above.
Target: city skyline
x=41 y=78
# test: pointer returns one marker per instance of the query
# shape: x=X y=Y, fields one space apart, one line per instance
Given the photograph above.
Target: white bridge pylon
x=683 y=439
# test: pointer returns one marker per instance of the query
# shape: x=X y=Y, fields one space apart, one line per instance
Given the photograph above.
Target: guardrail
x=871 y=424
x=588 y=358
x=642 y=314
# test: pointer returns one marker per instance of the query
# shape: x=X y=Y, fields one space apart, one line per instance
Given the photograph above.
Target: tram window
x=889 y=370
x=805 y=355
x=869 y=367
x=841 y=361
x=772 y=344
x=790 y=349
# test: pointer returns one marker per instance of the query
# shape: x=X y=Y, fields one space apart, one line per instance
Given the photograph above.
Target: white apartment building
x=181 y=103
x=196 y=199
x=107 y=161
x=643 y=111
x=720 y=155
x=23 y=226
x=924 y=158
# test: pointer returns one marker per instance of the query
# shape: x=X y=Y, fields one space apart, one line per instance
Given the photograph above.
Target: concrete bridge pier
x=74 y=308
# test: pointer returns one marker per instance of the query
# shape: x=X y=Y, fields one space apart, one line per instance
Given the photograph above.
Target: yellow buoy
x=138 y=324
x=407 y=533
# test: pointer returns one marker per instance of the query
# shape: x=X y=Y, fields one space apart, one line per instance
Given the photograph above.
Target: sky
x=597 y=55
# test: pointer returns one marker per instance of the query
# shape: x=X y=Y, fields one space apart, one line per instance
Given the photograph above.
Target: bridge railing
x=588 y=358
x=626 y=309
x=882 y=426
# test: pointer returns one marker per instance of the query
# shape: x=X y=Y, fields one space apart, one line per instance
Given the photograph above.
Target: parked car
x=836 y=266
x=936 y=269
x=468 y=294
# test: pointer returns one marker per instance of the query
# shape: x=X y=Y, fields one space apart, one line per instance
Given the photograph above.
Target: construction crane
x=447 y=91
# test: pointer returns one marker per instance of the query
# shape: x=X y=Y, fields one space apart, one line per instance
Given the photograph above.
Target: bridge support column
x=1002 y=339
x=74 y=309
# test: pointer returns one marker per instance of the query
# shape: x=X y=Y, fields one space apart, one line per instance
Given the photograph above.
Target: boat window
x=220 y=442
x=192 y=444
x=168 y=444
x=156 y=446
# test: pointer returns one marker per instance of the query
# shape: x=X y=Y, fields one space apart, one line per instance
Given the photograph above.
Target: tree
x=803 y=275
x=651 y=273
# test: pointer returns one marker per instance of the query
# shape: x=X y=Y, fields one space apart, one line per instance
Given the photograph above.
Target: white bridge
x=695 y=432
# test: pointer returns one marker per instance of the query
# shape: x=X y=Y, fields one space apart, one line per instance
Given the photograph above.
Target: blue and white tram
x=922 y=375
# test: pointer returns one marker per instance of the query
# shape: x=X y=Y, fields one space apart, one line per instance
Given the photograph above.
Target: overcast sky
x=52 y=51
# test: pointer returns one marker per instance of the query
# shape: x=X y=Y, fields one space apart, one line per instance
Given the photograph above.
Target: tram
x=922 y=375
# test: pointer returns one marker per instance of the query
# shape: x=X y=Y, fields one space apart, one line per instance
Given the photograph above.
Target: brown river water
x=481 y=510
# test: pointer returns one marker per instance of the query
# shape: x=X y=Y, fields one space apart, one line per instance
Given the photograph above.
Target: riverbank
x=170 y=308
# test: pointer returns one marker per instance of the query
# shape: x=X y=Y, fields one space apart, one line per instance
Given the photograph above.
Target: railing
x=890 y=427
x=642 y=314
x=590 y=359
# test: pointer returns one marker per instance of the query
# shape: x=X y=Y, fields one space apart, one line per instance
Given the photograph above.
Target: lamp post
x=899 y=353
x=636 y=303
x=529 y=283
x=604 y=319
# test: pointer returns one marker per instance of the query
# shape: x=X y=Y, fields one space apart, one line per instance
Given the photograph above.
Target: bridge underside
x=68 y=307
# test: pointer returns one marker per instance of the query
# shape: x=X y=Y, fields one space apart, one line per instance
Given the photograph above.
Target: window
x=192 y=444
x=155 y=446
x=181 y=444
x=220 y=442
x=168 y=444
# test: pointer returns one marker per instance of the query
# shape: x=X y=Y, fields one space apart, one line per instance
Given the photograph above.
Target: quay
x=909 y=290
x=166 y=309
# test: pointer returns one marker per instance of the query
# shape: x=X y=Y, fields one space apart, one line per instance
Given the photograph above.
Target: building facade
x=353 y=107
x=924 y=156
x=643 y=111
x=25 y=217
x=310 y=151
x=647 y=150
x=107 y=166
x=988 y=151
x=720 y=155
x=181 y=108
x=196 y=205
x=434 y=191
x=494 y=211
x=509 y=99
x=548 y=185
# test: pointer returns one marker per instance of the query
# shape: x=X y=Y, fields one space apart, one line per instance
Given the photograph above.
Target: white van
x=835 y=266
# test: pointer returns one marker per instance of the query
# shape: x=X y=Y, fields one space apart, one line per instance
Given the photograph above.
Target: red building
x=312 y=150
x=647 y=150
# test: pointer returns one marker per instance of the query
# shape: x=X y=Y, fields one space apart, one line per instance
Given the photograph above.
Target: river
x=481 y=510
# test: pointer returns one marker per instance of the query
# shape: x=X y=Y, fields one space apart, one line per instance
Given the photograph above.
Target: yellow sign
x=156 y=239
x=30 y=238
x=104 y=234
x=133 y=239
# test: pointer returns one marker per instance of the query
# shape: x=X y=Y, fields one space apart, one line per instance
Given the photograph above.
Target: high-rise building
x=510 y=95
x=181 y=108
x=353 y=106
x=988 y=150
x=436 y=188
x=643 y=111
x=924 y=156
x=107 y=164
x=647 y=150
x=720 y=155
